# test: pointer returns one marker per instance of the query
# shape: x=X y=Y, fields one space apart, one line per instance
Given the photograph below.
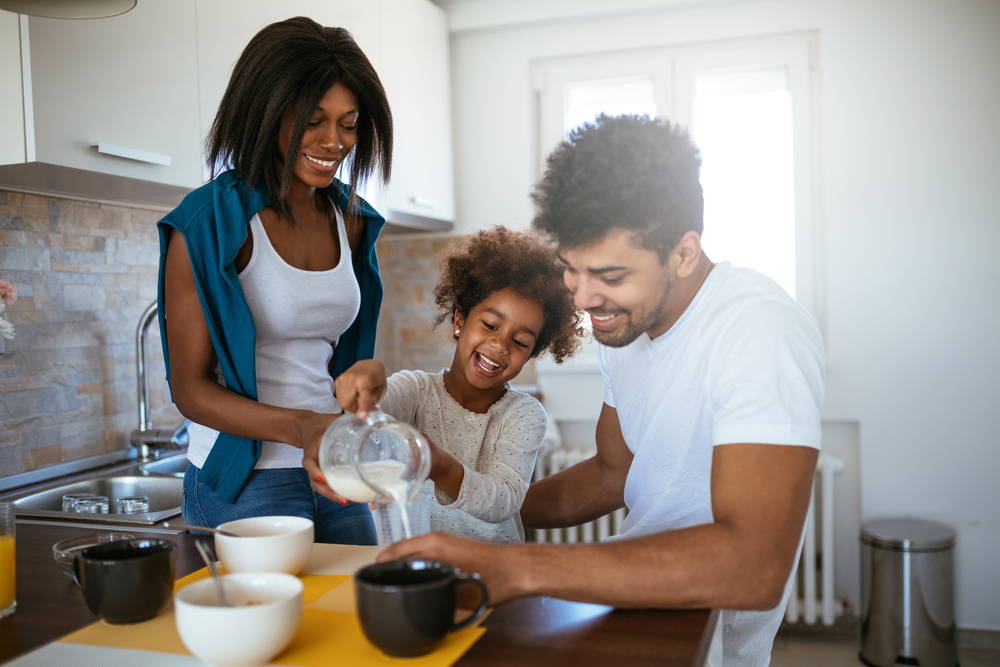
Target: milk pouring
x=376 y=459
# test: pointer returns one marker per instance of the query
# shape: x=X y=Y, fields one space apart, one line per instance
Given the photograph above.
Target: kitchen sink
x=165 y=499
x=172 y=465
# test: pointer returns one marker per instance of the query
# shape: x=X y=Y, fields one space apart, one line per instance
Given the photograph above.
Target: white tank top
x=299 y=316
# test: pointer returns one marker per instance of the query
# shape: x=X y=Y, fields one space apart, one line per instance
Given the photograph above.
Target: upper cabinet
x=413 y=63
x=118 y=109
x=106 y=105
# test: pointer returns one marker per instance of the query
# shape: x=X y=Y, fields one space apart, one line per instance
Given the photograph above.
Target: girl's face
x=329 y=136
x=496 y=339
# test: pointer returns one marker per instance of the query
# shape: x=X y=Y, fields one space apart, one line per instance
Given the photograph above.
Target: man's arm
x=760 y=494
x=586 y=491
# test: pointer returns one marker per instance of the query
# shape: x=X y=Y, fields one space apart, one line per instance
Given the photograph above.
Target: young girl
x=504 y=294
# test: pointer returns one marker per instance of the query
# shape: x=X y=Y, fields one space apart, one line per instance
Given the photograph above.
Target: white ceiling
x=466 y=15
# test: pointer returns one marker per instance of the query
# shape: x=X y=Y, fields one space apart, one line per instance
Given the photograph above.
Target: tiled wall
x=84 y=273
x=407 y=338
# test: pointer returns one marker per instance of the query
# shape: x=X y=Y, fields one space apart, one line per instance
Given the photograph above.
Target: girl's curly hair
x=500 y=258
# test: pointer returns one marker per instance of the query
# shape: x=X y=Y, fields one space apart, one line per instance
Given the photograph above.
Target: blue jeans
x=284 y=492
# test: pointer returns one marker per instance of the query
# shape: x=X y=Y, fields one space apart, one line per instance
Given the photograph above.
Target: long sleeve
x=402 y=396
x=494 y=489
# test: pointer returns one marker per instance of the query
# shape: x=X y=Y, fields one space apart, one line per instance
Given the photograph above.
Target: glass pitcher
x=376 y=459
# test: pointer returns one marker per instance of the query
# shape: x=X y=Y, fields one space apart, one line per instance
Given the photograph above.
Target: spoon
x=214 y=571
x=206 y=529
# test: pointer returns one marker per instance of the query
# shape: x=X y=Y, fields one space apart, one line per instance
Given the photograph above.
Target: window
x=742 y=122
x=748 y=105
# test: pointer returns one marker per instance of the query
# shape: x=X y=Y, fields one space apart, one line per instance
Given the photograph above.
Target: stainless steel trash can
x=907 y=594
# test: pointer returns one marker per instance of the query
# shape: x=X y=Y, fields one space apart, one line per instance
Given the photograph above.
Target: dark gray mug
x=127 y=581
x=407 y=606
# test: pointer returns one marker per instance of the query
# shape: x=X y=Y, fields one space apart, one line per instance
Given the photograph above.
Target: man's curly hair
x=500 y=258
x=621 y=172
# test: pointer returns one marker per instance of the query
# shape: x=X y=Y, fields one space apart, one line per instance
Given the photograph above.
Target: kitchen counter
x=530 y=631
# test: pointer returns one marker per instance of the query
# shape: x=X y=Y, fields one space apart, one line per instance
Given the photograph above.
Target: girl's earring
x=457 y=332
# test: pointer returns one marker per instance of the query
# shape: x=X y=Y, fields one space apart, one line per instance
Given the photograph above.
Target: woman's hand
x=360 y=386
x=312 y=426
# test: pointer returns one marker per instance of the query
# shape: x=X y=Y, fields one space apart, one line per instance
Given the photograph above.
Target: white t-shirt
x=299 y=316
x=497 y=450
x=743 y=364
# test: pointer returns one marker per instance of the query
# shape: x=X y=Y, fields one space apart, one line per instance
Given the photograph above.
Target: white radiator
x=593 y=531
x=805 y=602
x=805 y=606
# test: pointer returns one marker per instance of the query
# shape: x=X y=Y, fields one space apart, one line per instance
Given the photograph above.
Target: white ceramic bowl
x=242 y=634
x=266 y=544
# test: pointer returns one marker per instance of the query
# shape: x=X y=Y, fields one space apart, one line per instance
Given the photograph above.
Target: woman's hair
x=621 y=172
x=288 y=67
x=498 y=259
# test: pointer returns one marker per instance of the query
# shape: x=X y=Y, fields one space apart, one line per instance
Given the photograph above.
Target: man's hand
x=360 y=386
x=497 y=564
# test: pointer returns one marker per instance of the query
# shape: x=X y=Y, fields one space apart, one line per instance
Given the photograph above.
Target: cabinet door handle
x=423 y=202
x=133 y=154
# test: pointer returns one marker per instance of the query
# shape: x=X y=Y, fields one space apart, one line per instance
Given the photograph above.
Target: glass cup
x=389 y=518
x=374 y=459
x=69 y=500
x=8 y=602
x=92 y=505
x=132 y=504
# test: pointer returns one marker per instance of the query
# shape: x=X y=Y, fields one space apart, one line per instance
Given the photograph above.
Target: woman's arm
x=197 y=393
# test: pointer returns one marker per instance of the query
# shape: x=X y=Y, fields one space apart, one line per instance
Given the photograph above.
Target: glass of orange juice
x=7 y=572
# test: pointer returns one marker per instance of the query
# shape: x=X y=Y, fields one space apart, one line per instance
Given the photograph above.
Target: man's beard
x=633 y=330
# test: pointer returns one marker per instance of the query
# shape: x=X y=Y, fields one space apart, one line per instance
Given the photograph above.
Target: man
x=710 y=427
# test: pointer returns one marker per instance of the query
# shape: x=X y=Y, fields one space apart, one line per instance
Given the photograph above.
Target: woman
x=269 y=281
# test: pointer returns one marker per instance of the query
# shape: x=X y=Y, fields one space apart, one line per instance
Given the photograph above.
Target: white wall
x=910 y=172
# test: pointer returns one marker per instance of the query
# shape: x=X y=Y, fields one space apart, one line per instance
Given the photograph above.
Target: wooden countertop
x=531 y=631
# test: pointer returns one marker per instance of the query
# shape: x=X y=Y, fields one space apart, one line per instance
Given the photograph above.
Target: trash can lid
x=907 y=535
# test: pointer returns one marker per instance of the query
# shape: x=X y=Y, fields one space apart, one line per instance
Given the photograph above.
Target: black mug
x=407 y=606
x=127 y=581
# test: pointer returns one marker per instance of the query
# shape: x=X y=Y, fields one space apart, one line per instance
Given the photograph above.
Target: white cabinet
x=12 y=99
x=118 y=109
x=413 y=63
x=114 y=97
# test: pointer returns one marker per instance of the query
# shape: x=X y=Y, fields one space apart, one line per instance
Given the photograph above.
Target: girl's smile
x=495 y=340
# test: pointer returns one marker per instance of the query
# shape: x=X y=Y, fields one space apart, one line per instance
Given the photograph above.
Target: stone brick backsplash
x=84 y=273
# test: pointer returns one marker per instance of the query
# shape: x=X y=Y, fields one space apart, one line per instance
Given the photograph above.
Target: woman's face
x=329 y=136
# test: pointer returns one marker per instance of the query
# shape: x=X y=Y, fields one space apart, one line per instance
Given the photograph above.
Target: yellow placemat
x=329 y=630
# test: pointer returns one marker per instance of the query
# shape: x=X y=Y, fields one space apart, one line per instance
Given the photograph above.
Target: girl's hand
x=360 y=386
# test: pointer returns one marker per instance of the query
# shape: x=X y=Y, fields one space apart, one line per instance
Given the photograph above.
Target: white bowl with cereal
x=264 y=612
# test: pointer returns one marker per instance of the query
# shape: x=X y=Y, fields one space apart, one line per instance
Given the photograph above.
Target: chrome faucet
x=148 y=440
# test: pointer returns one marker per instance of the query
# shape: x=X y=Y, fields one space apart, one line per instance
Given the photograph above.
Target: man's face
x=623 y=287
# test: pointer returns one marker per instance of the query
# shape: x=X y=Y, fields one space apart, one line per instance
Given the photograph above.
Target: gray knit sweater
x=497 y=449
